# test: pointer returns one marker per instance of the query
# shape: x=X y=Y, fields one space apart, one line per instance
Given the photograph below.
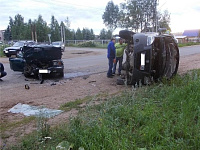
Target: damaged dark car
x=149 y=57
x=38 y=60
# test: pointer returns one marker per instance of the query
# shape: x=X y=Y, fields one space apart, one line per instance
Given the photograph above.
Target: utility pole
x=61 y=30
x=33 y=32
x=156 y=15
x=49 y=35
x=64 y=34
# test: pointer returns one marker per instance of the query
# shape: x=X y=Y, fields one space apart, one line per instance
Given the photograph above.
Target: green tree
x=105 y=35
x=70 y=34
x=138 y=14
x=111 y=15
x=164 y=20
x=55 y=30
x=102 y=34
x=108 y=34
x=92 y=35
x=17 y=27
x=7 y=34
x=67 y=22
x=79 y=35
x=41 y=29
x=28 y=30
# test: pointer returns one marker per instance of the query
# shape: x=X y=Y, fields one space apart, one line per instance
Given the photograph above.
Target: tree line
x=38 y=30
x=138 y=15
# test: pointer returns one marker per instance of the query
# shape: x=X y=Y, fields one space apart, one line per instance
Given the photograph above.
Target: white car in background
x=59 y=44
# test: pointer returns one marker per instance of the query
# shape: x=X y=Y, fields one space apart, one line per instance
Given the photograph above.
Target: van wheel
x=171 y=68
x=125 y=34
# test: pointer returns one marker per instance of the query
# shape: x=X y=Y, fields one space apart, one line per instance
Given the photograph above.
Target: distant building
x=2 y=35
x=192 y=35
x=181 y=39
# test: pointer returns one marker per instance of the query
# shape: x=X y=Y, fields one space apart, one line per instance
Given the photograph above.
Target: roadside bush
x=87 y=44
x=1 y=50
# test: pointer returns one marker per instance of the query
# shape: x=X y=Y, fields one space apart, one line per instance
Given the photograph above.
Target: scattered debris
x=86 y=76
x=33 y=83
x=39 y=111
x=85 y=52
x=27 y=86
x=53 y=84
x=92 y=81
x=42 y=81
x=94 y=85
x=120 y=81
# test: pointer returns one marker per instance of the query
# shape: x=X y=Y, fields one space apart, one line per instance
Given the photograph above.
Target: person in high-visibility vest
x=120 y=46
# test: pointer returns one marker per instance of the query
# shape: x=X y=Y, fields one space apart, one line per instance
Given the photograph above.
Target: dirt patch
x=52 y=94
x=79 y=53
x=189 y=63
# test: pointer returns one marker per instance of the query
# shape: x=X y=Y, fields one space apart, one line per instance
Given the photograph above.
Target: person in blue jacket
x=111 y=54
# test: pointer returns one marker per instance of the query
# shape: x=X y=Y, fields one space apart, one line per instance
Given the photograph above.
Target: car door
x=17 y=64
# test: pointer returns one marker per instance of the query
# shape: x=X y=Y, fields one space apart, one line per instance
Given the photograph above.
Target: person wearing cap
x=120 y=46
x=111 y=54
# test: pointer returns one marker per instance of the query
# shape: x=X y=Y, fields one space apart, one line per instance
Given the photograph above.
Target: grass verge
x=188 y=44
x=161 y=116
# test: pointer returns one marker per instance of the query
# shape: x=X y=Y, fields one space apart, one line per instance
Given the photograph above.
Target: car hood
x=12 y=47
x=56 y=45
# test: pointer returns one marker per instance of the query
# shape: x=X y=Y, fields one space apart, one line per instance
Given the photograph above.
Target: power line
x=58 y=2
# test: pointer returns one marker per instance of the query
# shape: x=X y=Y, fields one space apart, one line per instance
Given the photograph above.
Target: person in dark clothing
x=111 y=54
x=2 y=72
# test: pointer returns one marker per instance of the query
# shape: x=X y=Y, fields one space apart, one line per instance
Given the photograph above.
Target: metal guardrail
x=76 y=42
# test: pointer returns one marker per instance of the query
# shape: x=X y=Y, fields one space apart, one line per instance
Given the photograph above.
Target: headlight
x=57 y=63
x=5 y=50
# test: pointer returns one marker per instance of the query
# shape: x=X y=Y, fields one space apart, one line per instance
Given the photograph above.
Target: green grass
x=1 y=50
x=188 y=44
x=75 y=104
x=7 y=126
x=160 y=117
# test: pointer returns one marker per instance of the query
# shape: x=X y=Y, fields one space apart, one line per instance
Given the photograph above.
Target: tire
x=173 y=59
x=27 y=71
x=61 y=75
x=125 y=34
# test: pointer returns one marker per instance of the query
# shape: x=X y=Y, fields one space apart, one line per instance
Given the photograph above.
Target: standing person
x=119 y=55
x=111 y=56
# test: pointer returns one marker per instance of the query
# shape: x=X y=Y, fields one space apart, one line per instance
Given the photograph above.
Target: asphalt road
x=80 y=66
x=99 y=63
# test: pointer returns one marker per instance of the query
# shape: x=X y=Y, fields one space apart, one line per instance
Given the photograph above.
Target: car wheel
x=125 y=34
x=27 y=71
x=61 y=74
x=172 y=60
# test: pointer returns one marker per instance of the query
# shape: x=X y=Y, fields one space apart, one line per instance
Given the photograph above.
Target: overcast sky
x=88 y=13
